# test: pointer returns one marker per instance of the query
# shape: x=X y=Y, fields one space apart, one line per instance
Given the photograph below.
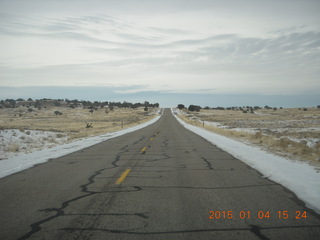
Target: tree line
x=46 y=102
x=244 y=109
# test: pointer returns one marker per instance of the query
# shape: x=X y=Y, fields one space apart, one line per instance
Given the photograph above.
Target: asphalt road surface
x=160 y=182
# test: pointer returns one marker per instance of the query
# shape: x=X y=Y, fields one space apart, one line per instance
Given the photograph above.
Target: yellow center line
x=123 y=176
x=143 y=149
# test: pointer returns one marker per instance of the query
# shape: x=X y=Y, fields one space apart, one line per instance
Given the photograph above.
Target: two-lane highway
x=160 y=182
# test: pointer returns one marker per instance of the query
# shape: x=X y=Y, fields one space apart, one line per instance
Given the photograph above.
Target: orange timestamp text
x=214 y=215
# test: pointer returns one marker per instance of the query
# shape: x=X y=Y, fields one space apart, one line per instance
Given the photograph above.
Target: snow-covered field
x=25 y=161
x=301 y=178
x=292 y=133
x=14 y=142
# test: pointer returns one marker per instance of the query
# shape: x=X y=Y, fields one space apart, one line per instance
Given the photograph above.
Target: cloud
x=170 y=31
x=182 y=51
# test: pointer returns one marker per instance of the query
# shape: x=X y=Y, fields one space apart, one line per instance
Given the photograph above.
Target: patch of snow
x=215 y=124
x=310 y=142
x=242 y=127
x=14 y=142
x=300 y=178
x=25 y=161
x=262 y=114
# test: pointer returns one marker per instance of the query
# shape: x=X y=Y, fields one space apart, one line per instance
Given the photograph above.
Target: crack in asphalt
x=139 y=140
x=36 y=226
x=166 y=157
x=257 y=231
x=209 y=165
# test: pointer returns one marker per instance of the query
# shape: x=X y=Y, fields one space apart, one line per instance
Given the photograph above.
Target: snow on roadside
x=25 y=161
x=14 y=142
x=300 y=178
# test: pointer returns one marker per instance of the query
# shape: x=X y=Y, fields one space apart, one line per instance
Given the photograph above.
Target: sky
x=204 y=52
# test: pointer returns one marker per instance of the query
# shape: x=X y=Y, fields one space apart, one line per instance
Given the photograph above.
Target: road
x=160 y=182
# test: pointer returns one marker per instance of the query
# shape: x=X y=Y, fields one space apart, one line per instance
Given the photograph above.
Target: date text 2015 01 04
x=299 y=215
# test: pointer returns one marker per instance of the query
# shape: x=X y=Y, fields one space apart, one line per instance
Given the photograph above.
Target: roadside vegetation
x=65 y=120
x=291 y=132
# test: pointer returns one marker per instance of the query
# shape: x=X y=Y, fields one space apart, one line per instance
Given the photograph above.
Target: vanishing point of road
x=160 y=182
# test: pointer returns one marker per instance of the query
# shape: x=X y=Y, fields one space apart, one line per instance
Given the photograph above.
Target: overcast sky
x=195 y=49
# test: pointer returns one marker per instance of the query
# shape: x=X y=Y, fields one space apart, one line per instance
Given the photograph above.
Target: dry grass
x=13 y=147
x=282 y=132
x=72 y=121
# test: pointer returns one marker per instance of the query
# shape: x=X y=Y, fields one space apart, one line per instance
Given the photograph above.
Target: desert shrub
x=57 y=113
x=257 y=135
x=60 y=135
x=305 y=150
x=14 y=147
x=180 y=106
x=304 y=142
x=283 y=142
x=194 y=108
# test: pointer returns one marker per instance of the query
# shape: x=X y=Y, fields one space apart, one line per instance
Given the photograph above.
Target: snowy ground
x=310 y=142
x=14 y=142
x=25 y=161
x=296 y=125
x=300 y=178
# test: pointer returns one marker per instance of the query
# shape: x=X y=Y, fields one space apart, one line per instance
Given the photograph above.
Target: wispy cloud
x=160 y=53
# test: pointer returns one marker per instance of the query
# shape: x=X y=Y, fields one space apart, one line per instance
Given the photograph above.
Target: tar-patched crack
x=209 y=165
x=36 y=226
x=257 y=231
x=165 y=142
x=139 y=140
x=163 y=156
